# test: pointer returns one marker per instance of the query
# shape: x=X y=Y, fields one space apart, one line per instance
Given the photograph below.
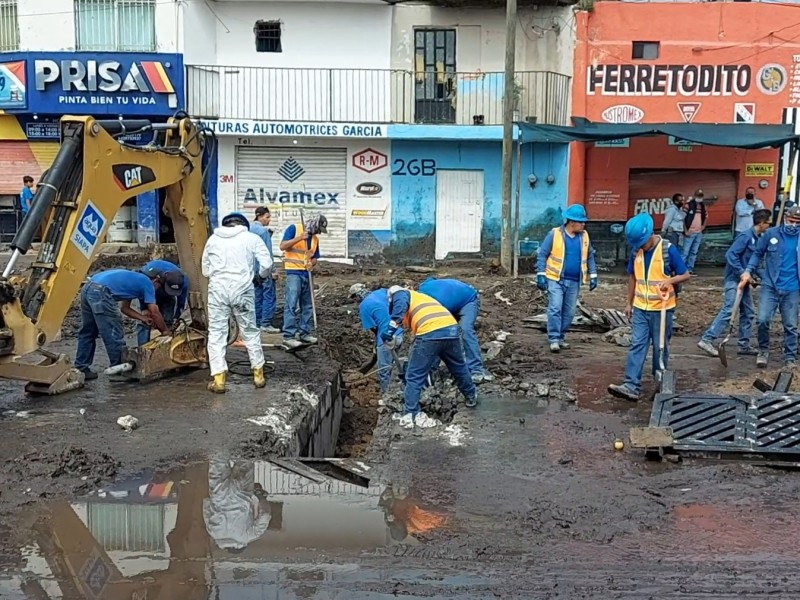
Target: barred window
x=268 y=36
x=116 y=25
x=9 y=26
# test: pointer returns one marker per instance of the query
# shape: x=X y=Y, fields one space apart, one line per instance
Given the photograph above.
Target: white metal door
x=459 y=211
x=286 y=179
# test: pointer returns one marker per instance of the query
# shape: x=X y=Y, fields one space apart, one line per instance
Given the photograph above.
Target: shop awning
x=732 y=135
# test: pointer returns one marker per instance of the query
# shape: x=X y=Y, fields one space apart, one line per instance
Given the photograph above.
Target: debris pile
x=586 y=320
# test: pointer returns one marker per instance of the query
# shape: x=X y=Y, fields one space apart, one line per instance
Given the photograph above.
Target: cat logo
x=129 y=177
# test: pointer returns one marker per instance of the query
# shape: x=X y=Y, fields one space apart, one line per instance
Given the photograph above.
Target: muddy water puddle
x=217 y=523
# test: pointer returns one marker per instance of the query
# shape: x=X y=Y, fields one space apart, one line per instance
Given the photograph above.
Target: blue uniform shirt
x=264 y=234
x=290 y=233
x=738 y=255
x=374 y=312
x=676 y=265
x=25 y=197
x=572 y=258
x=166 y=267
x=450 y=293
x=787 y=280
x=127 y=285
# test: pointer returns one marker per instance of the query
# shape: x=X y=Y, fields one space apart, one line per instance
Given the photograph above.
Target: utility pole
x=508 y=134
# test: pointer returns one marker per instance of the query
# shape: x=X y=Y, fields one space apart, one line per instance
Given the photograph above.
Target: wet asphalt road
x=521 y=498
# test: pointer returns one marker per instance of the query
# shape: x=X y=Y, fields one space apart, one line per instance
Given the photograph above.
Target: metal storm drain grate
x=766 y=426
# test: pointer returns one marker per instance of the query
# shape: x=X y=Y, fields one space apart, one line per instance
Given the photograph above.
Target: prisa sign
x=127 y=84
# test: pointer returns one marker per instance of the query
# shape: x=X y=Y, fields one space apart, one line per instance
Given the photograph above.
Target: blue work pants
x=645 y=329
x=426 y=352
x=723 y=318
x=562 y=298
x=691 y=246
x=100 y=317
x=385 y=360
x=297 y=303
x=266 y=301
x=769 y=301
x=466 y=318
x=167 y=305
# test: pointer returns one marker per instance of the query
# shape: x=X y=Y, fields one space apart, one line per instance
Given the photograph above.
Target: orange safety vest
x=425 y=315
x=647 y=296
x=298 y=257
x=555 y=261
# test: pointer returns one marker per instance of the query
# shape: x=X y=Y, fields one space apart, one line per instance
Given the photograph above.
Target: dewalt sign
x=759 y=170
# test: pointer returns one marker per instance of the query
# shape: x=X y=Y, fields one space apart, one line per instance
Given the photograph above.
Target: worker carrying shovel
x=654 y=269
x=436 y=338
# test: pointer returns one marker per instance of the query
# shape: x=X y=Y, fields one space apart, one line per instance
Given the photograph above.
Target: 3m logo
x=290 y=170
x=226 y=178
x=129 y=177
x=87 y=233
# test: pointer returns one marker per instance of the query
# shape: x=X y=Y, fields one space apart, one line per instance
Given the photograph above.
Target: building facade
x=105 y=58
x=725 y=63
x=385 y=118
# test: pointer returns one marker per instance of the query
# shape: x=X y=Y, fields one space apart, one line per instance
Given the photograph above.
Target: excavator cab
x=94 y=173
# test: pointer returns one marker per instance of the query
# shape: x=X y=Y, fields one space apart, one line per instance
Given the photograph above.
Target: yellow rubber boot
x=258 y=378
x=218 y=384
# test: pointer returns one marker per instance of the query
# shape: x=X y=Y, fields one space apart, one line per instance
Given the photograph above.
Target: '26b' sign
x=426 y=167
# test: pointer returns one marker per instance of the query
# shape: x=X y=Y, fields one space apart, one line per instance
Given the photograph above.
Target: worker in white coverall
x=229 y=260
x=232 y=512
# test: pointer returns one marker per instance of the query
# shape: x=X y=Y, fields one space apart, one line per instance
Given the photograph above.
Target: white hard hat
x=356 y=287
x=394 y=289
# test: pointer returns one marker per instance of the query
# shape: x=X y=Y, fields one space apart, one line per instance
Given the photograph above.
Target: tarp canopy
x=731 y=135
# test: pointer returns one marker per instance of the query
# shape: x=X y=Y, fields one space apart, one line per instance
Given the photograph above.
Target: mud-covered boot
x=258 y=378
x=217 y=385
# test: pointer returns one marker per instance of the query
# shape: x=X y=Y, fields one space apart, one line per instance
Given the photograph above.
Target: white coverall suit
x=229 y=260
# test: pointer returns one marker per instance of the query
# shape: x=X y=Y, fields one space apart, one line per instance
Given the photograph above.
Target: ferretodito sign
x=669 y=80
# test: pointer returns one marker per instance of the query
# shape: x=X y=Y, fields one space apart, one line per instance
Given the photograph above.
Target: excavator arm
x=92 y=176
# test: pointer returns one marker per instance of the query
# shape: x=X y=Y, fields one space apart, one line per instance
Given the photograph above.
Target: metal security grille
x=285 y=179
x=435 y=74
x=128 y=527
x=9 y=26
x=765 y=425
x=116 y=25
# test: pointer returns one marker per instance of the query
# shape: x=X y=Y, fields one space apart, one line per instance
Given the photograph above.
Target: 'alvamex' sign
x=669 y=80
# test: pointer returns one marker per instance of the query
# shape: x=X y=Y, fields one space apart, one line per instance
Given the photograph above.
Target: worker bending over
x=102 y=316
x=654 y=269
x=171 y=295
x=374 y=311
x=464 y=304
x=229 y=260
x=565 y=258
x=300 y=248
x=736 y=259
x=780 y=286
x=266 y=299
x=436 y=338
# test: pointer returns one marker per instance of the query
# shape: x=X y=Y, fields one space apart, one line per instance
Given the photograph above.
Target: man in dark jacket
x=694 y=224
x=736 y=259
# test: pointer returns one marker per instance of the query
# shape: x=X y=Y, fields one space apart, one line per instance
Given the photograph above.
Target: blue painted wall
x=414 y=196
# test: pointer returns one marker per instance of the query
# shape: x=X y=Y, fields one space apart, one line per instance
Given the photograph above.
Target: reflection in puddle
x=179 y=535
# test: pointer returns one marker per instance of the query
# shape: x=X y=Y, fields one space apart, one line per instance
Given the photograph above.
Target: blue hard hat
x=576 y=213
x=235 y=218
x=638 y=230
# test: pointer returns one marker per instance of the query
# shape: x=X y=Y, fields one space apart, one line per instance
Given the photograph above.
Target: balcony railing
x=373 y=96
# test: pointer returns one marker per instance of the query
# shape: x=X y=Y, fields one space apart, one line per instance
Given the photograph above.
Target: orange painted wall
x=729 y=39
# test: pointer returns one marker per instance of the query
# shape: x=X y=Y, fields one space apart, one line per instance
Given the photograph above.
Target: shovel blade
x=723 y=355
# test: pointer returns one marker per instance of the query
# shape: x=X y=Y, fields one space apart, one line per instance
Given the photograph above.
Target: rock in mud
x=621 y=336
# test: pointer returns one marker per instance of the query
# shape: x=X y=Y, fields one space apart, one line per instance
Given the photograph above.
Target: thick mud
x=523 y=497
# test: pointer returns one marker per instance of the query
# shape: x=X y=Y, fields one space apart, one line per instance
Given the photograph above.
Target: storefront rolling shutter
x=651 y=191
x=18 y=159
x=45 y=153
x=286 y=179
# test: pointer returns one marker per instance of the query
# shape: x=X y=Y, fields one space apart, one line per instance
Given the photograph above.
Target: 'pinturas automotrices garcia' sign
x=253 y=128
x=101 y=83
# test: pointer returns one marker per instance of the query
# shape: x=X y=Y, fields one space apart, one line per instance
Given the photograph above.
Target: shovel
x=723 y=355
x=310 y=276
x=662 y=333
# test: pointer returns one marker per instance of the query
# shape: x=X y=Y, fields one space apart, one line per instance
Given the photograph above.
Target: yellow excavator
x=94 y=173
